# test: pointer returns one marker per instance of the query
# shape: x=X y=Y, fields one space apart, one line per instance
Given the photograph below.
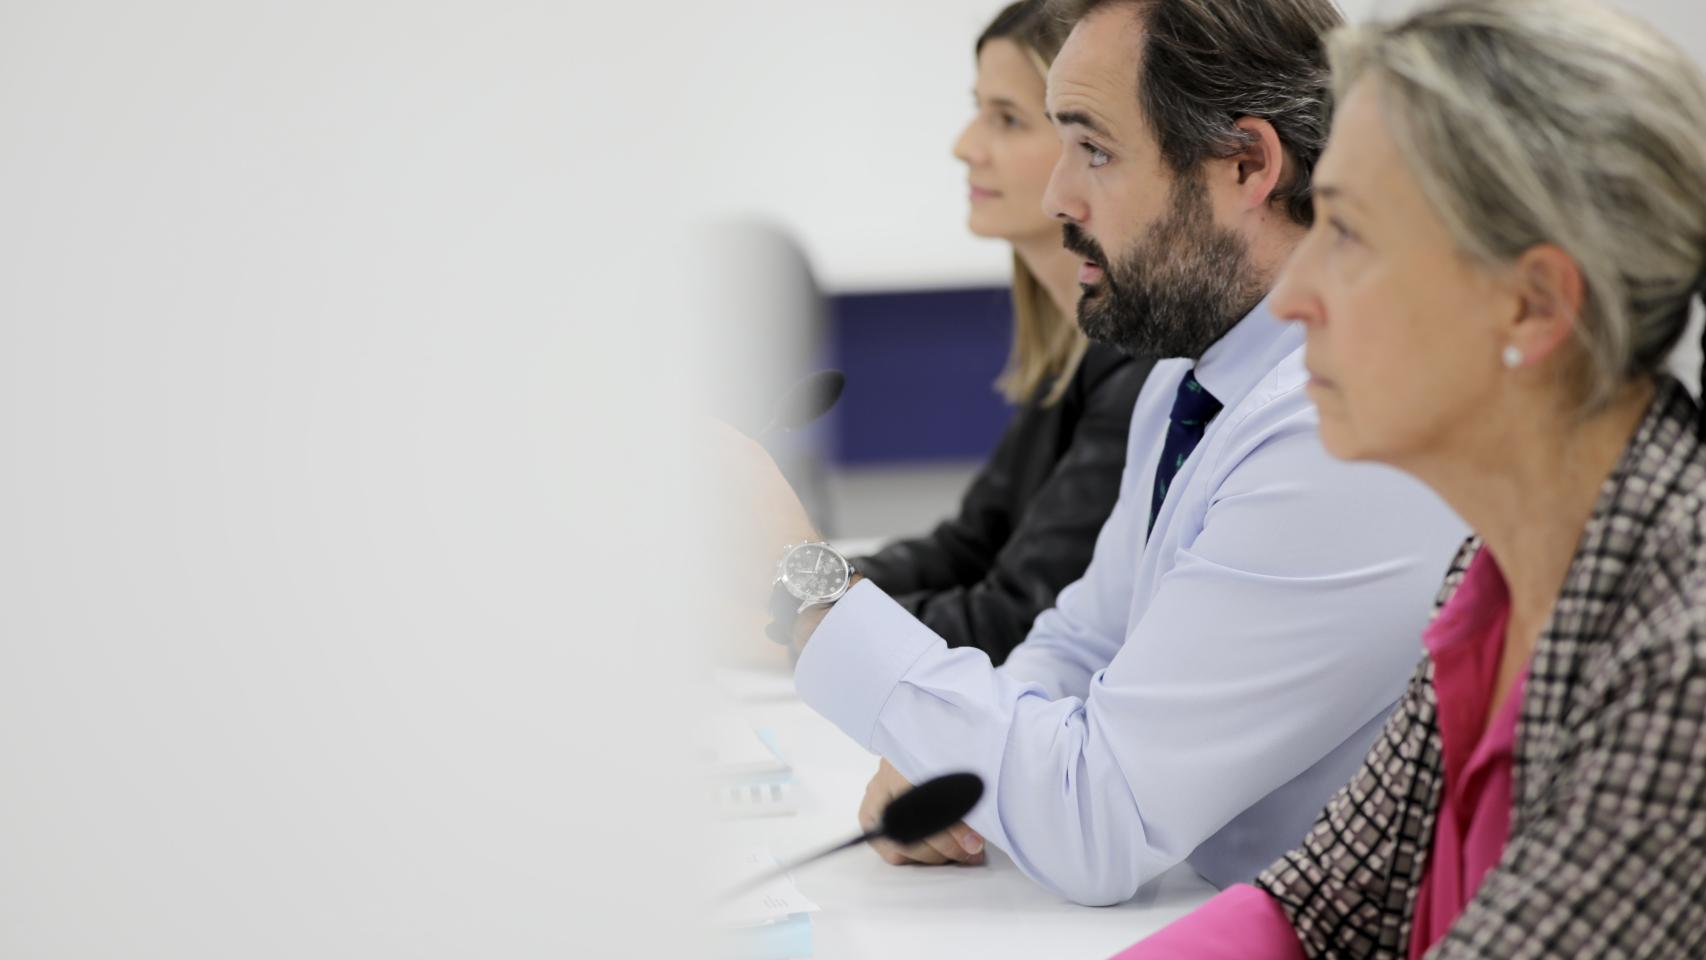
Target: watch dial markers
x=814 y=572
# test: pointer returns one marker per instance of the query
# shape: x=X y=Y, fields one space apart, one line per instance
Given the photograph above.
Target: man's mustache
x=1079 y=242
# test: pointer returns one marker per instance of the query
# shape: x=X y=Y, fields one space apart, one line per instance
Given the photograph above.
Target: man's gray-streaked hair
x=1562 y=122
x=1206 y=63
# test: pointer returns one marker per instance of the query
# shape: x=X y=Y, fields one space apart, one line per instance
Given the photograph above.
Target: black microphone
x=927 y=809
x=918 y=814
x=805 y=401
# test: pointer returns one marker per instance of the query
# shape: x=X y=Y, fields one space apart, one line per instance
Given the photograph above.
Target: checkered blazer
x=1607 y=849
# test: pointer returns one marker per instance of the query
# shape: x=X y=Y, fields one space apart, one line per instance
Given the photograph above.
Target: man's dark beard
x=1185 y=283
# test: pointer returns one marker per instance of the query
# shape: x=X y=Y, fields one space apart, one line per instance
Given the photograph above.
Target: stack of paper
x=772 y=922
x=748 y=776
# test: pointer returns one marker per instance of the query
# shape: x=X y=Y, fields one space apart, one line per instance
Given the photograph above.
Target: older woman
x=1511 y=228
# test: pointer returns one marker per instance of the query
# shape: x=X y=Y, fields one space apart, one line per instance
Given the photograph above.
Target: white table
x=874 y=910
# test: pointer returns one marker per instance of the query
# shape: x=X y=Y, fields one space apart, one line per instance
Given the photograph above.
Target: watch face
x=814 y=572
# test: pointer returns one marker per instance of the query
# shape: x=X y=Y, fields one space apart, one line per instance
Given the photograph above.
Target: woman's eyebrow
x=1337 y=193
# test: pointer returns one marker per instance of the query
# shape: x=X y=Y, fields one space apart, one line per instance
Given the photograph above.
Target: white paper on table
x=736 y=749
x=774 y=901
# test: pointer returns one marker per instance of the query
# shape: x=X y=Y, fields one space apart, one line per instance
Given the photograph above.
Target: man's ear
x=1258 y=168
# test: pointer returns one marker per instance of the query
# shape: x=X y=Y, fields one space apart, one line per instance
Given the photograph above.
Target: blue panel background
x=921 y=368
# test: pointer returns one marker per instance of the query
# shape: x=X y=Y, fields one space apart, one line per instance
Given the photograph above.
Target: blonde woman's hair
x=1557 y=122
x=1047 y=345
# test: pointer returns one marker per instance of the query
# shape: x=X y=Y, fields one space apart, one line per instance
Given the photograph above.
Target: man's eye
x=1097 y=156
x=1008 y=121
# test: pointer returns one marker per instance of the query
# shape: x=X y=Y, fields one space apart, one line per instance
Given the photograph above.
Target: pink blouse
x=1465 y=641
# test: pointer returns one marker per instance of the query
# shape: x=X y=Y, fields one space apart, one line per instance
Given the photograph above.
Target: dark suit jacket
x=1029 y=521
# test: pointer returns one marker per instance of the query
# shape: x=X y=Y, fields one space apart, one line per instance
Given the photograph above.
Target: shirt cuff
x=857 y=656
x=1241 y=923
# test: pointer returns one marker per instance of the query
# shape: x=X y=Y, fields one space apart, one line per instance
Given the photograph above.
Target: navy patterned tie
x=1193 y=408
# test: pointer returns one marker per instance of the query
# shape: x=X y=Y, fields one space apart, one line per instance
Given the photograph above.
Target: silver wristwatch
x=810 y=574
x=813 y=573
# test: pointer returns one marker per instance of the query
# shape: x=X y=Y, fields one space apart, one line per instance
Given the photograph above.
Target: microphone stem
x=754 y=883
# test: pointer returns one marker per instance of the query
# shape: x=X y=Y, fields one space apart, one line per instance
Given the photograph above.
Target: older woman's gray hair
x=1586 y=131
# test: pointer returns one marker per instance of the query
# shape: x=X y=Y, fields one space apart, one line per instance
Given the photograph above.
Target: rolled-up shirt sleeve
x=1289 y=622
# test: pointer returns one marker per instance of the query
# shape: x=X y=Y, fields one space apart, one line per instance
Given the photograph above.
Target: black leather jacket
x=1029 y=521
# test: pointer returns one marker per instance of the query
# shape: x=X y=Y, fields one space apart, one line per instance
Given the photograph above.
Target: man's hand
x=958 y=844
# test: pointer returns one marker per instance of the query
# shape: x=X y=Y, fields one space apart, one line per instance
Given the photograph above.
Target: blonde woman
x=1029 y=521
x=1510 y=232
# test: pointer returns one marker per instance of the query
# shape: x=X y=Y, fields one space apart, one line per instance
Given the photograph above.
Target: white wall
x=841 y=129
x=845 y=121
x=324 y=628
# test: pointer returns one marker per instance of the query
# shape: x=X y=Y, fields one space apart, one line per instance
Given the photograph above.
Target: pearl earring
x=1513 y=358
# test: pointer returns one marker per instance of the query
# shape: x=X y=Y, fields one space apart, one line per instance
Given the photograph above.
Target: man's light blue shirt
x=1196 y=696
